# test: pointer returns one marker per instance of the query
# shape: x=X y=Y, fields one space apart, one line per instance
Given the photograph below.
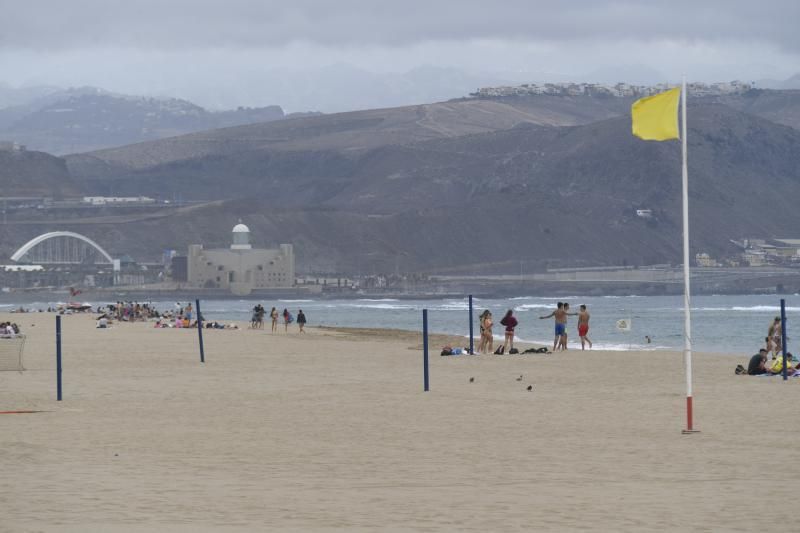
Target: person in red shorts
x=583 y=327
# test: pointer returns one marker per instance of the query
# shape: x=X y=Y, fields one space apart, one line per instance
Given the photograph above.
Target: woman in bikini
x=485 y=345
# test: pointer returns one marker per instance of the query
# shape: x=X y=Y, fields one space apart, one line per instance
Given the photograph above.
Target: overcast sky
x=306 y=54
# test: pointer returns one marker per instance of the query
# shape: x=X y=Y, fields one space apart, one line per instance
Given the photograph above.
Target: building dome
x=241 y=237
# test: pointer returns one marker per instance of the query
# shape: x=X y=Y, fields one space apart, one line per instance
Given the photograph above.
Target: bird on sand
x=519 y=378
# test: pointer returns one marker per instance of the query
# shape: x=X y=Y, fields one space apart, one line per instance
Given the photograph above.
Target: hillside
x=347 y=133
x=532 y=195
x=34 y=174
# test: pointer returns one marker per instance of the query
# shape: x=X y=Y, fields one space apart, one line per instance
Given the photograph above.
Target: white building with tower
x=240 y=268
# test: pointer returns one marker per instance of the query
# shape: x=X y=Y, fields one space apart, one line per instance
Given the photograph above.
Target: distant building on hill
x=11 y=146
x=240 y=268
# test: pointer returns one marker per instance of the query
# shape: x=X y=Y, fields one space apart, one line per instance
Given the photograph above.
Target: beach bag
x=500 y=349
x=513 y=351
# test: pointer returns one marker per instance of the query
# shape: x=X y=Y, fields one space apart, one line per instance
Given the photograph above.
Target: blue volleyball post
x=200 y=331
x=425 y=348
x=58 y=357
x=471 y=341
x=783 y=337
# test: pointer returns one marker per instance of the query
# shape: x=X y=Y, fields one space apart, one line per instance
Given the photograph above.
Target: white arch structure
x=28 y=246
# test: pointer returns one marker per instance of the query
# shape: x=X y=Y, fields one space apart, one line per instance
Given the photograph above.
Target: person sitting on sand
x=756 y=367
x=777 y=365
x=510 y=323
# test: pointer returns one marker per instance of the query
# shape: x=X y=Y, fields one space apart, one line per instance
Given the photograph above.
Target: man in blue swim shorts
x=560 y=315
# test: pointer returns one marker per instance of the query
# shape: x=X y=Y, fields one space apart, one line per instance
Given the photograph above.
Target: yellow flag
x=655 y=118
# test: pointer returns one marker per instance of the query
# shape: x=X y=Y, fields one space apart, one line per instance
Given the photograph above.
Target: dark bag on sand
x=513 y=351
x=500 y=349
x=447 y=352
x=536 y=350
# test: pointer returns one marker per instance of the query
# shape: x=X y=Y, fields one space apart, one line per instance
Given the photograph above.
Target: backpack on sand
x=500 y=350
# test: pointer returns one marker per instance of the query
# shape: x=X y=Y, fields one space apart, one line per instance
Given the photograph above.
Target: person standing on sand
x=563 y=341
x=274 y=316
x=286 y=316
x=510 y=323
x=487 y=338
x=301 y=320
x=774 y=333
x=583 y=327
x=560 y=316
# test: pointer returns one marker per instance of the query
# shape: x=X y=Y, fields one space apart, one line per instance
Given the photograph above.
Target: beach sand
x=331 y=430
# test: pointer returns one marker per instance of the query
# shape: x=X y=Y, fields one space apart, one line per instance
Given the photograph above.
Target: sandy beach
x=331 y=430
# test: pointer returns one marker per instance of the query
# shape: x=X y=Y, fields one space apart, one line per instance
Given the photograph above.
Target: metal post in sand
x=200 y=331
x=58 y=358
x=425 y=349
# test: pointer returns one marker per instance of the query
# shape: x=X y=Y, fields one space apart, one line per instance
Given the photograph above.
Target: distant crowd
x=185 y=316
x=9 y=330
x=259 y=312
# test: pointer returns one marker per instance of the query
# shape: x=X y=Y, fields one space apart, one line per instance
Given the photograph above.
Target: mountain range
x=83 y=119
x=466 y=185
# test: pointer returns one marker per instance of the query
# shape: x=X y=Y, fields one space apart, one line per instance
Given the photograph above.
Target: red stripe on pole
x=689 y=413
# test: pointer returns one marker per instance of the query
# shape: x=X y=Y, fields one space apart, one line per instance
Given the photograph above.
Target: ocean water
x=729 y=324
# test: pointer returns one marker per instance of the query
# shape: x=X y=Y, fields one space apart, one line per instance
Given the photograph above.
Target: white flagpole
x=687 y=324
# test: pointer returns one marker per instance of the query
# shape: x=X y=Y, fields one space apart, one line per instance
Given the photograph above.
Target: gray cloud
x=152 y=24
x=333 y=55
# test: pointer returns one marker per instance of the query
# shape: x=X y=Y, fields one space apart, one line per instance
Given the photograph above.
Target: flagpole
x=687 y=320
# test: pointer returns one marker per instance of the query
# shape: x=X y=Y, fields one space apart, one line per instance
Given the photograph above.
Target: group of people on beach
x=760 y=364
x=9 y=330
x=257 y=318
x=509 y=321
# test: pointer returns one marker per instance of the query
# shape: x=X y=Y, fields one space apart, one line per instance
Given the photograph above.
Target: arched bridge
x=61 y=247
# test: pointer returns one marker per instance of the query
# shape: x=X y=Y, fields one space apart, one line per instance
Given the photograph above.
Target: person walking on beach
x=487 y=338
x=583 y=327
x=274 y=316
x=254 y=318
x=510 y=323
x=286 y=319
x=560 y=316
x=301 y=320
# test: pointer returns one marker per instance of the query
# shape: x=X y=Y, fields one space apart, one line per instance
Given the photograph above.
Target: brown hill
x=534 y=195
x=350 y=132
x=28 y=173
